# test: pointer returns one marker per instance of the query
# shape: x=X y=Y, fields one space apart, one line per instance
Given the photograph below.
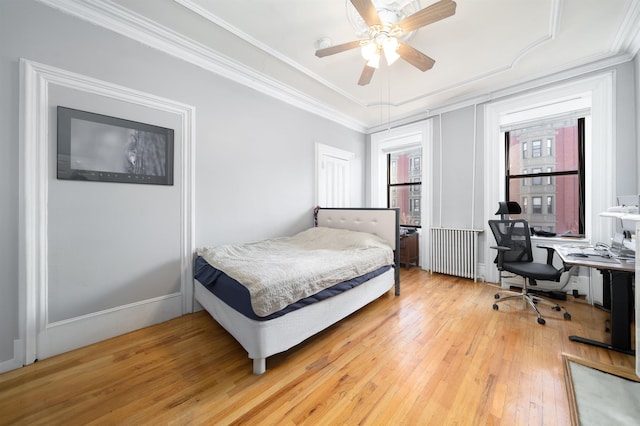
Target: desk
x=618 y=275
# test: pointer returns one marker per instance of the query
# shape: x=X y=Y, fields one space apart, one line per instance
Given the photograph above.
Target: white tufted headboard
x=385 y=223
x=380 y=222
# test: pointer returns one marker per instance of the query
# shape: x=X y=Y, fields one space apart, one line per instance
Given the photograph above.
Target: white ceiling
x=487 y=47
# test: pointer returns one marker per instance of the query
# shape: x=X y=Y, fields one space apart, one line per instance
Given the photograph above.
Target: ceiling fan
x=384 y=37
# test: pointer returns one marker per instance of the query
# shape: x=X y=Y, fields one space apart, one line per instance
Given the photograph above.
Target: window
x=415 y=164
x=536 y=149
x=404 y=184
x=524 y=149
x=589 y=97
x=536 y=205
x=415 y=188
x=536 y=180
x=525 y=205
x=562 y=173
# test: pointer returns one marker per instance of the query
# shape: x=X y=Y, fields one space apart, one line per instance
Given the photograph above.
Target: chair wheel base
x=496 y=296
x=495 y=306
x=541 y=321
x=567 y=316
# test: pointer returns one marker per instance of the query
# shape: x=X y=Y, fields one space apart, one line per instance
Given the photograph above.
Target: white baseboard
x=481 y=272
x=9 y=365
x=18 y=356
x=580 y=283
x=70 y=334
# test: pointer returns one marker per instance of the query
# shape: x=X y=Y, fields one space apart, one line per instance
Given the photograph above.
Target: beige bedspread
x=280 y=271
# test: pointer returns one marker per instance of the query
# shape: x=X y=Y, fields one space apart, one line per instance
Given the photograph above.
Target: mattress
x=237 y=296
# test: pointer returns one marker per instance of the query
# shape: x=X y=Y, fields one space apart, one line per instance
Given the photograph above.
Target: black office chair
x=515 y=256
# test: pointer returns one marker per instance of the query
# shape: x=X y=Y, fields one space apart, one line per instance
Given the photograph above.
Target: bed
x=264 y=336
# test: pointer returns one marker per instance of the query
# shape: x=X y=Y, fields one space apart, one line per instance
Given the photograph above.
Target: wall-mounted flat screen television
x=96 y=147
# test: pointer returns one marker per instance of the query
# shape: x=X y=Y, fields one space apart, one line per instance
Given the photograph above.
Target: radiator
x=455 y=252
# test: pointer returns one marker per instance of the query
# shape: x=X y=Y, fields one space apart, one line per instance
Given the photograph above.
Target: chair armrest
x=550 y=251
x=500 y=258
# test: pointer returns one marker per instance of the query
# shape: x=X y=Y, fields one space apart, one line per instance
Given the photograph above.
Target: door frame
x=35 y=81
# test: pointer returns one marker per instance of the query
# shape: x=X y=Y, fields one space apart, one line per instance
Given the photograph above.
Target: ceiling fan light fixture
x=368 y=50
x=374 y=62
x=387 y=29
x=390 y=47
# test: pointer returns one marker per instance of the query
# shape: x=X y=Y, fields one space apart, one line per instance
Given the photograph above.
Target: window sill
x=557 y=240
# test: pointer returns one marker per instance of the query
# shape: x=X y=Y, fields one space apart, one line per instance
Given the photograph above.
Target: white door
x=333 y=177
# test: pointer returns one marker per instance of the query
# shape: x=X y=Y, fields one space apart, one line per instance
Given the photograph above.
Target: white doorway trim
x=34 y=123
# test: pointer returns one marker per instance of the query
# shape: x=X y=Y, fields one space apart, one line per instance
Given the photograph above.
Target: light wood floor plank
x=438 y=354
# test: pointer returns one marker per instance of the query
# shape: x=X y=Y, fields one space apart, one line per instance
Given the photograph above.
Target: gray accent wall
x=456 y=179
x=453 y=144
x=254 y=167
x=457 y=189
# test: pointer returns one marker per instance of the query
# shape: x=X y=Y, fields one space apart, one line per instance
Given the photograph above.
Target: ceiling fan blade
x=365 y=77
x=368 y=11
x=428 y=15
x=415 y=57
x=332 y=50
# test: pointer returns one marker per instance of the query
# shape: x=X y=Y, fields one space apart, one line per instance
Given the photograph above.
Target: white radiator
x=455 y=251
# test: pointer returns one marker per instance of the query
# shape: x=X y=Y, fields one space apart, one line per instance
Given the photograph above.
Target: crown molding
x=206 y=14
x=628 y=37
x=500 y=93
x=114 y=17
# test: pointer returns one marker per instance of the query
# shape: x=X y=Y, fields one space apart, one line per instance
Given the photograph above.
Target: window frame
x=537 y=179
x=536 y=148
x=411 y=185
x=536 y=208
x=580 y=172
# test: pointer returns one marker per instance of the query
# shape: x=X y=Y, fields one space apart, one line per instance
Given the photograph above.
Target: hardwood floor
x=438 y=354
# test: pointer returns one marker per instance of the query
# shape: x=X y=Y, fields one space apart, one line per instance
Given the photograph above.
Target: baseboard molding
x=18 y=356
x=70 y=334
x=481 y=272
x=9 y=365
x=580 y=283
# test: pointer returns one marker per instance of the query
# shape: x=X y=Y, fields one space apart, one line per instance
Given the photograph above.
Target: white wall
x=254 y=166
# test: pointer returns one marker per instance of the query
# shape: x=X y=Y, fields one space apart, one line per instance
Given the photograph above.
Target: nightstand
x=409 y=249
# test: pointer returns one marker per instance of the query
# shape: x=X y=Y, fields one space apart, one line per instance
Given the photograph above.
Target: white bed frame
x=265 y=338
